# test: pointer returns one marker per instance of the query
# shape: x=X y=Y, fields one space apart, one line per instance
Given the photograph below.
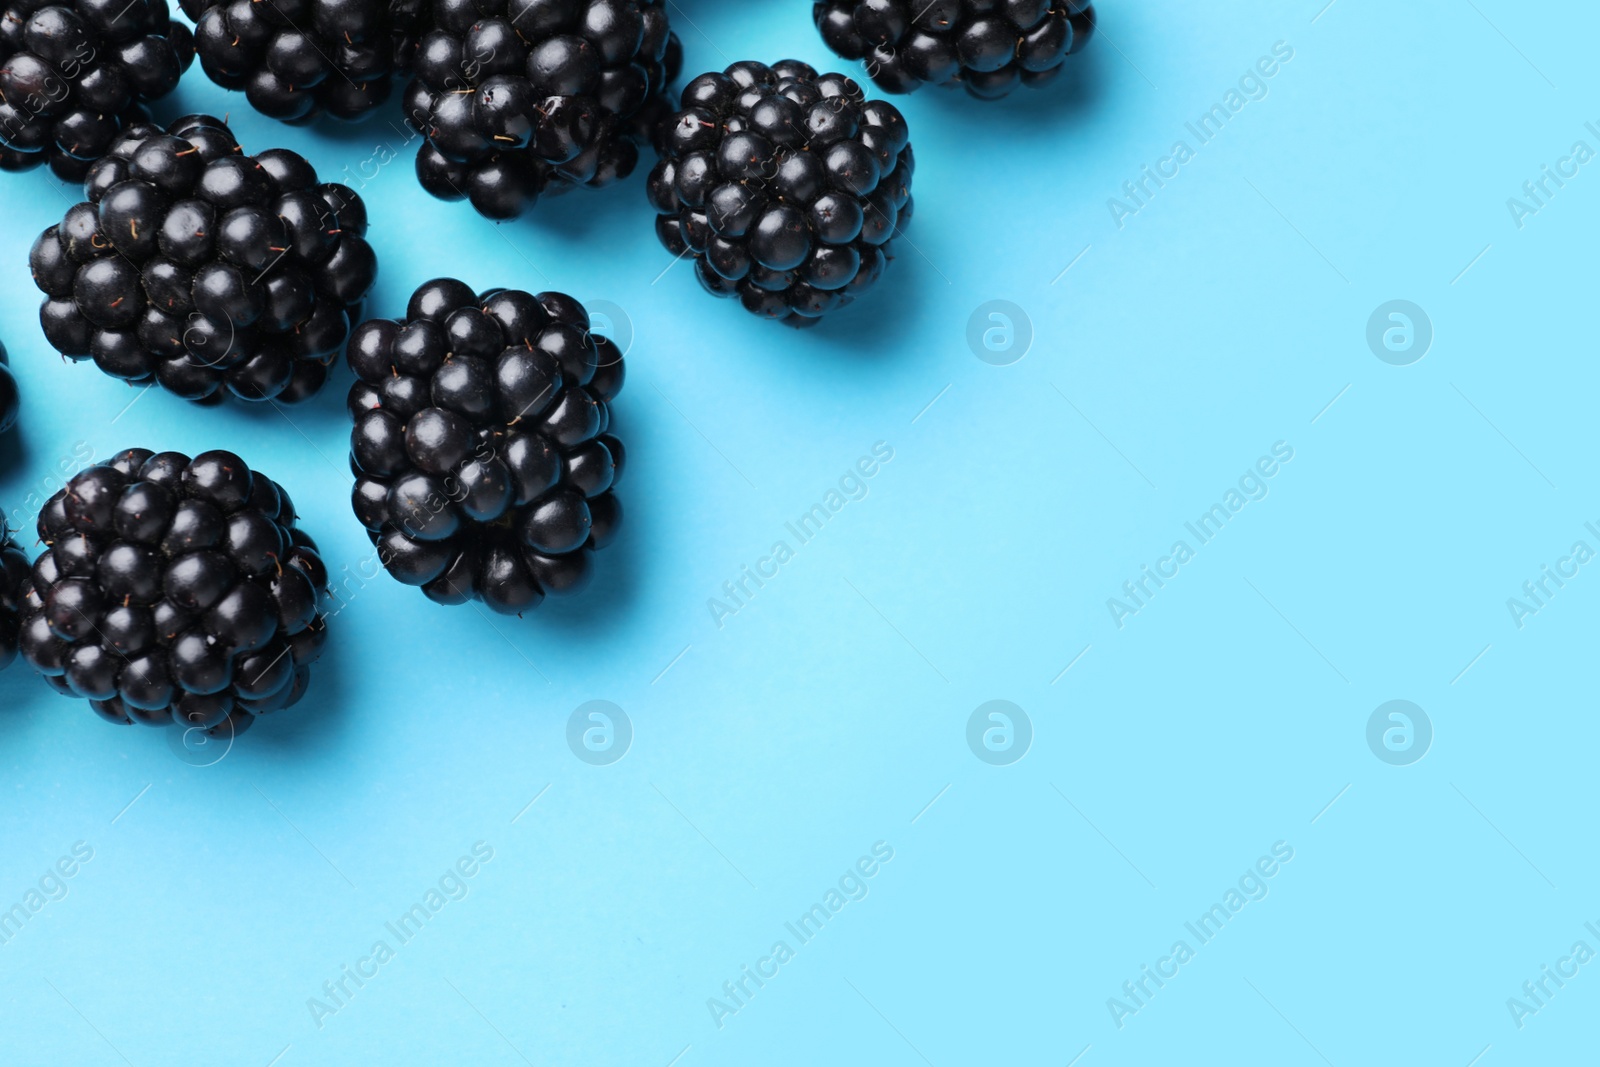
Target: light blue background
x=771 y=753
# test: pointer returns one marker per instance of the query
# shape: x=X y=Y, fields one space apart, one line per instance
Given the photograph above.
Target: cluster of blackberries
x=520 y=97
x=483 y=464
x=75 y=73
x=197 y=267
x=988 y=46
x=785 y=186
x=294 y=58
x=10 y=401
x=175 y=590
x=13 y=579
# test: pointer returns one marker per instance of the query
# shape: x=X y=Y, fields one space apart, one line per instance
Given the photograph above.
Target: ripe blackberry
x=13 y=579
x=483 y=464
x=174 y=590
x=294 y=58
x=988 y=46
x=786 y=187
x=197 y=267
x=75 y=73
x=10 y=400
x=522 y=97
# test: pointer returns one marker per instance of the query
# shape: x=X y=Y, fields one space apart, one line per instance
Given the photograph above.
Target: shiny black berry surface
x=10 y=399
x=13 y=579
x=482 y=450
x=519 y=98
x=989 y=47
x=786 y=187
x=204 y=270
x=76 y=73
x=174 y=590
x=295 y=59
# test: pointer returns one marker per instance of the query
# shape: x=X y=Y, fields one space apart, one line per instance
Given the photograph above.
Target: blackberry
x=13 y=579
x=484 y=466
x=74 y=74
x=521 y=97
x=196 y=267
x=786 y=187
x=987 y=46
x=10 y=401
x=174 y=590
x=296 y=58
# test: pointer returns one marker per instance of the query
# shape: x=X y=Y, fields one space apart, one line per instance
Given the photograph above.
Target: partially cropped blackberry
x=75 y=73
x=484 y=469
x=295 y=58
x=522 y=97
x=988 y=46
x=13 y=579
x=10 y=401
x=786 y=187
x=174 y=590
x=205 y=270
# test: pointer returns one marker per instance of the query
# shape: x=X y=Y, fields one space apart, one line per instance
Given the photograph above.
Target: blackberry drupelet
x=988 y=46
x=74 y=74
x=204 y=270
x=484 y=466
x=296 y=58
x=10 y=400
x=786 y=187
x=13 y=579
x=174 y=590
x=522 y=97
